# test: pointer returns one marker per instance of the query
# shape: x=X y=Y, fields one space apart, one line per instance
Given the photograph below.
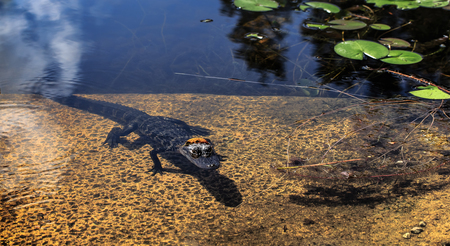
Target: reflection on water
x=40 y=43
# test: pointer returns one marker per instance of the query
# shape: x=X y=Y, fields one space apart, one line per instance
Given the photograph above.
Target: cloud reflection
x=40 y=46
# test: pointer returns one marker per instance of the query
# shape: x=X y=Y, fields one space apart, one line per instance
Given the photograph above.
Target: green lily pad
x=402 y=57
x=433 y=3
x=379 y=26
x=410 y=4
x=394 y=42
x=256 y=5
x=358 y=48
x=330 y=8
x=320 y=26
x=347 y=24
x=430 y=92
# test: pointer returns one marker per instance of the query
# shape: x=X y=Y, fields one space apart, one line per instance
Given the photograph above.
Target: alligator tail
x=116 y=112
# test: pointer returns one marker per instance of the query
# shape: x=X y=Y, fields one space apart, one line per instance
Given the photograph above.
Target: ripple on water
x=31 y=157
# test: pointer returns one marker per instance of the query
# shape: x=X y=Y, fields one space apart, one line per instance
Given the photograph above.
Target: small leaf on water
x=347 y=24
x=320 y=26
x=330 y=8
x=430 y=92
x=256 y=5
x=402 y=57
x=254 y=35
x=394 y=42
x=379 y=26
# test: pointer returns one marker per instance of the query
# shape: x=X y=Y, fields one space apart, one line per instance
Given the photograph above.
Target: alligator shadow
x=221 y=187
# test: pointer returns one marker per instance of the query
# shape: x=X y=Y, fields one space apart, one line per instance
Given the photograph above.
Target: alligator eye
x=196 y=152
x=208 y=151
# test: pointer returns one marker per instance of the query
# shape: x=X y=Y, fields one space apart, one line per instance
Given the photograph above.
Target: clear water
x=60 y=185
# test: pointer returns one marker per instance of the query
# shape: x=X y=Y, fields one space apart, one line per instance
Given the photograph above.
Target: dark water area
x=141 y=46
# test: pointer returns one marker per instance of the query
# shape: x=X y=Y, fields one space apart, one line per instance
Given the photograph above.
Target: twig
x=420 y=80
x=320 y=164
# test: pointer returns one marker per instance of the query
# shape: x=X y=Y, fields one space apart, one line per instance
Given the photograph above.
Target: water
x=60 y=185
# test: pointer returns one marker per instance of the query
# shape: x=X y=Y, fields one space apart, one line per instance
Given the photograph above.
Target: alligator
x=162 y=133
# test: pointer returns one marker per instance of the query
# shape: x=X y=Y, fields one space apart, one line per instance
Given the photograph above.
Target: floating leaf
x=320 y=26
x=410 y=4
x=347 y=24
x=330 y=8
x=430 y=92
x=256 y=5
x=433 y=3
x=402 y=57
x=394 y=42
x=357 y=48
x=379 y=26
x=254 y=36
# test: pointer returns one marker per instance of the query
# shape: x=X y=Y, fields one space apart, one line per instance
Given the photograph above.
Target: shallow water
x=77 y=190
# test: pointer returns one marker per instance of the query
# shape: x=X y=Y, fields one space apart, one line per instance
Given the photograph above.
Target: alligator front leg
x=113 y=138
x=157 y=168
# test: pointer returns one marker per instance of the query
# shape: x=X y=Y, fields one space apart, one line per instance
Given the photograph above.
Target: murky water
x=299 y=164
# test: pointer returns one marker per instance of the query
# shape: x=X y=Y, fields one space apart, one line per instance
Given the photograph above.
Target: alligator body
x=162 y=133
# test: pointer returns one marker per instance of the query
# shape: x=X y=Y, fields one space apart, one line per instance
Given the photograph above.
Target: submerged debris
x=417 y=230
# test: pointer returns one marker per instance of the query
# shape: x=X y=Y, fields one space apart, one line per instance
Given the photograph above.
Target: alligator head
x=200 y=152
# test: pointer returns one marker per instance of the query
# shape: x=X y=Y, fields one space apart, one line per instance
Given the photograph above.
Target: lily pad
x=347 y=24
x=430 y=92
x=394 y=42
x=320 y=26
x=410 y=4
x=379 y=26
x=256 y=5
x=358 y=48
x=330 y=8
x=402 y=57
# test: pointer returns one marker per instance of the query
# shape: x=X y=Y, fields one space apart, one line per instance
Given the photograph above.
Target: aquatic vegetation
x=379 y=26
x=394 y=42
x=402 y=57
x=372 y=138
x=256 y=5
x=328 y=7
x=410 y=4
x=430 y=92
x=340 y=25
x=356 y=49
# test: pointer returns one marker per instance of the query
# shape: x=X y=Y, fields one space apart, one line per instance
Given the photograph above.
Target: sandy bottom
x=60 y=185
